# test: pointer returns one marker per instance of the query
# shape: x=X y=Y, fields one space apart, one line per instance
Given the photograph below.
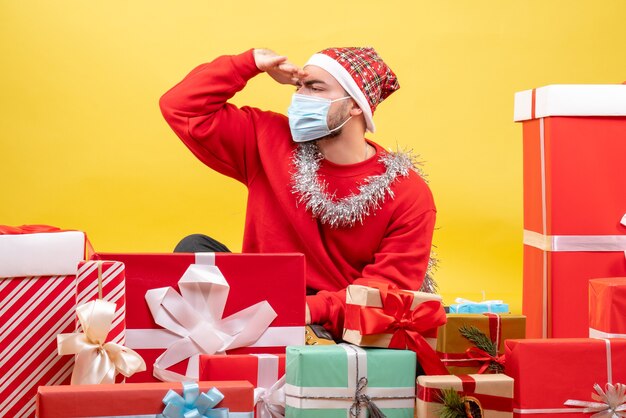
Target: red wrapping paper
x=129 y=399
x=33 y=310
x=277 y=278
x=548 y=372
x=578 y=189
x=607 y=307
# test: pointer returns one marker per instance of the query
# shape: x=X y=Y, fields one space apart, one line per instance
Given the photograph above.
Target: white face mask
x=308 y=117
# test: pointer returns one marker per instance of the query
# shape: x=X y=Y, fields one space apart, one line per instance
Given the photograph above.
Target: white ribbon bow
x=195 y=315
x=611 y=402
x=270 y=403
x=97 y=361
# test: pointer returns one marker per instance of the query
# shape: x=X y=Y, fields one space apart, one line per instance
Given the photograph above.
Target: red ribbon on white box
x=193 y=320
x=269 y=396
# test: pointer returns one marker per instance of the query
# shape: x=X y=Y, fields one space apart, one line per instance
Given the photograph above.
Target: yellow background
x=83 y=144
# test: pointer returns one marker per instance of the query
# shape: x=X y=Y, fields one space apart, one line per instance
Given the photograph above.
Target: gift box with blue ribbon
x=227 y=399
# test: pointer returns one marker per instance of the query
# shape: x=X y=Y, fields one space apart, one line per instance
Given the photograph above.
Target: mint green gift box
x=323 y=381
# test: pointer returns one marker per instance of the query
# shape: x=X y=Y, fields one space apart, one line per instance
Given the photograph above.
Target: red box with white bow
x=574 y=200
x=557 y=377
x=264 y=371
x=37 y=302
x=183 y=305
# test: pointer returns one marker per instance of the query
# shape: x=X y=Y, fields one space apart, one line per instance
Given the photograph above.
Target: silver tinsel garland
x=345 y=212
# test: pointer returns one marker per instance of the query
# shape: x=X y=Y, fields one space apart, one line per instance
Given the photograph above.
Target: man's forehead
x=315 y=73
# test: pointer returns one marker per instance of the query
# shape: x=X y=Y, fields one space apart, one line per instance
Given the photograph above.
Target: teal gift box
x=339 y=381
x=485 y=306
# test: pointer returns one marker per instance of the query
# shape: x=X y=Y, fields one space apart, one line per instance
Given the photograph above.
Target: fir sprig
x=453 y=404
x=480 y=340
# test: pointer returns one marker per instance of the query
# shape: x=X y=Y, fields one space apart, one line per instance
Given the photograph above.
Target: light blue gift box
x=324 y=381
x=485 y=306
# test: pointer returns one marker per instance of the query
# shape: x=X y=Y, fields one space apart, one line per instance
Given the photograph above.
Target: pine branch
x=480 y=340
x=453 y=404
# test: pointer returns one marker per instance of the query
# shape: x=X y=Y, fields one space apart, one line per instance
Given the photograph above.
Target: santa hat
x=362 y=73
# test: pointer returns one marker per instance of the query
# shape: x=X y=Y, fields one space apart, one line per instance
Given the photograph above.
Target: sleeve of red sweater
x=219 y=134
x=402 y=259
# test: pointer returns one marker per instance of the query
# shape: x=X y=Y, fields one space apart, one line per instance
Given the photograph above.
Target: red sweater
x=255 y=147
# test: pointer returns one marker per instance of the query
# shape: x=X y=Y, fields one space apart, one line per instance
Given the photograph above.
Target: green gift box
x=339 y=381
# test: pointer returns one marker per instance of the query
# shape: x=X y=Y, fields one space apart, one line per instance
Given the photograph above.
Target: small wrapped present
x=263 y=371
x=185 y=305
x=37 y=301
x=147 y=400
x=469 y=306
x=559 y=376
x=485 y=396
x=346 y=380
x=607 y=307
x=474 y=343
x=393 y=318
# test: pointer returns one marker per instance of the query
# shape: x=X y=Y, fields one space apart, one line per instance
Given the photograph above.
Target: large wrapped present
x=392 y=318
x=184 y=305
x=607 y=307
x=486 y=396
x=462 y=341
x=346 y=380
x=37 y=302
x=473 y=307
x=264 y=371
x=553 y=376
x=147 y=400
x=574 y=200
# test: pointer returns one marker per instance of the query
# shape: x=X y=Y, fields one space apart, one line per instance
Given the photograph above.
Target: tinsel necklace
x=347 y=211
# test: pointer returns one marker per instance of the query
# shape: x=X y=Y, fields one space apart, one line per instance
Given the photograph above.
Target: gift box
x=491 y=394
x=607 y=307
x=210 y=283
x=574 y=200
x=485 y=306
x=331 y=380
x=550 y=372
x=393 y=318
x=462 y=356
x=139 y=399
x=263 y=371
x=37 y=302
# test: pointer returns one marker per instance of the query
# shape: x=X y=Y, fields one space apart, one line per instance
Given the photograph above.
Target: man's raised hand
x=278 y=67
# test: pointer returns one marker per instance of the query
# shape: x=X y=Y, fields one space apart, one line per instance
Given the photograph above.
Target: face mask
x=308 y=117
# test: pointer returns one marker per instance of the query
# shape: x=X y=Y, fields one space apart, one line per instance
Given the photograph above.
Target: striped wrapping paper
x=33 y=310
x=104 y=280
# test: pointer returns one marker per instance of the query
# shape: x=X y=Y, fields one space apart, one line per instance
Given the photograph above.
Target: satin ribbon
x=610 y=402
x=193 y=403
x=483 y=357
x=270 y=402
x=195 y=317
x=406 y=325
x=97 y=361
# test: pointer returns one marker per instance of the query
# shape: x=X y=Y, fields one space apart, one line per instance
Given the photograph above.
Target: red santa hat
x=362 y=73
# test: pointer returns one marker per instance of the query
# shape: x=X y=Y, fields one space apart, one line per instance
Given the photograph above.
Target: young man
x=316 y=185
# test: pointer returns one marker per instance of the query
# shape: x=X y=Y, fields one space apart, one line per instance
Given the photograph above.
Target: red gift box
x=261 y=370
x=132 y=399
x=275 y=278
x=607 y=308
x=549 y=372
x=574 y=200
x=33 y=310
